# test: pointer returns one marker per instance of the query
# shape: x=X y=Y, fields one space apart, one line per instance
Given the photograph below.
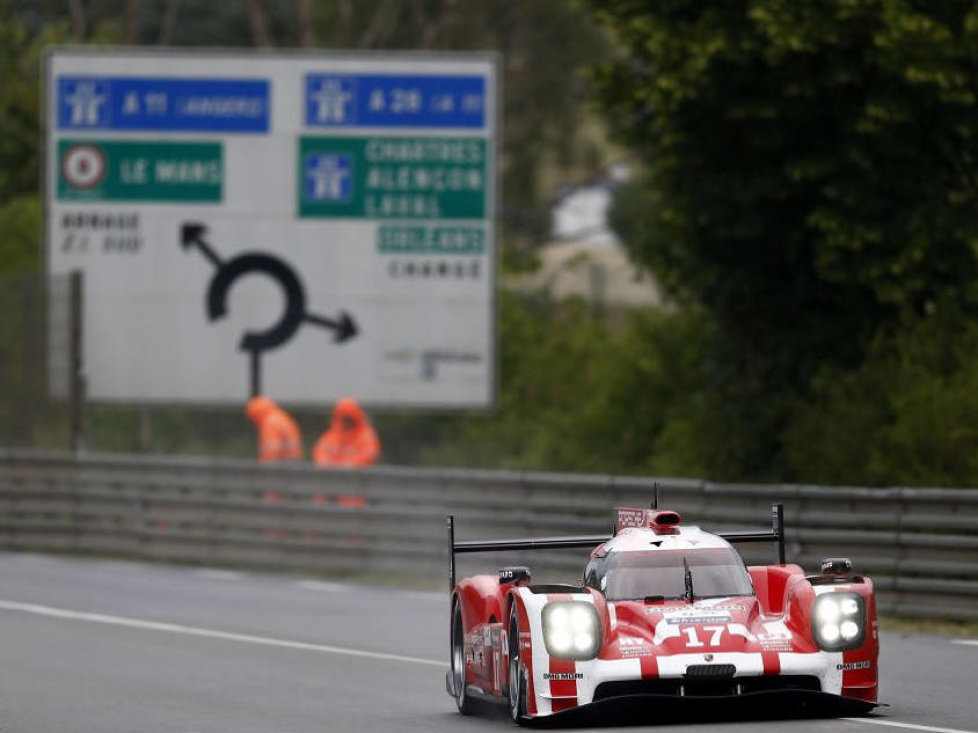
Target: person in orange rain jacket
x=278 y=435
x=350 y=440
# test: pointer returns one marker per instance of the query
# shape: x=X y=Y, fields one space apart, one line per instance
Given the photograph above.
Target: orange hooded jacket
x=350 y=440
x=279 y=438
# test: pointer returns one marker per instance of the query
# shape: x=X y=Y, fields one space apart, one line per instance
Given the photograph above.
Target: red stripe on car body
x=772 y=663
x=650 y=667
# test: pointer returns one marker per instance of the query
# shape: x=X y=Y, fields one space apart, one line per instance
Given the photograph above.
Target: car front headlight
x=571 y=630
x=839 y=621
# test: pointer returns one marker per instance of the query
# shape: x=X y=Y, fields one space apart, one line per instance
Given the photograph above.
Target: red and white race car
x=666 y=613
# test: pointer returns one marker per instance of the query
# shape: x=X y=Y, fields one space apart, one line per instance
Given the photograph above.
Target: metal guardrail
x=919 y=545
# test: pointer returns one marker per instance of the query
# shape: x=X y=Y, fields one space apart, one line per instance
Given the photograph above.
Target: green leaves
x=838 y=128
x=20 y=223
x=811 y=179
x=905 y=417
x=20 y=63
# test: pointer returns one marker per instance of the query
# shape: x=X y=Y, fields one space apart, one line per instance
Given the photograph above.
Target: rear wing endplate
x=589 y=541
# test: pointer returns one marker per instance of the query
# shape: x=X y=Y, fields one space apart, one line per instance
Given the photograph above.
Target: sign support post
x=77 y=361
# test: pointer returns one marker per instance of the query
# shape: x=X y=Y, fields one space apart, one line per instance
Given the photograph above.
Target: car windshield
x=625 y=576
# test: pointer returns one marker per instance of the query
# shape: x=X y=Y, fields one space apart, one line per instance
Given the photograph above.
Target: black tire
x=517 y=672
x=464 y=703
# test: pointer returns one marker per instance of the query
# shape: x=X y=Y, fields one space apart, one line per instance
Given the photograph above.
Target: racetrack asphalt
x=95 y=646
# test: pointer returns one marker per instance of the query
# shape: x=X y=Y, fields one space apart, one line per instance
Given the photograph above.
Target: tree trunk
x=132 y=21
x=303 y=21
x=432 y=28
x=169 y=23
x=344 y=10
x=383 y=22
x=77 y=10
x=258 y=21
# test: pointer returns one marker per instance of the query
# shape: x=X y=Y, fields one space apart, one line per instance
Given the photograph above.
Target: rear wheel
x=462 y=700
x=517 y=673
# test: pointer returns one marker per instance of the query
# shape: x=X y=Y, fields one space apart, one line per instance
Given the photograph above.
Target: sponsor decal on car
x=849 y=666
x=563 y=676
x=713 y=618
x=628 y=517
x=633 y=646
x=776 y=637
x=631 y=641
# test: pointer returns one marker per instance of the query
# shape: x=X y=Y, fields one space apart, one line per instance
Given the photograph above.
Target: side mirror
x=836 y=566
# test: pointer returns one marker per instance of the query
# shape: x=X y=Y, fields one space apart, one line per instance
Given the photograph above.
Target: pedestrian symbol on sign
x=328 y=177
x=84 y=103
x=329 y=100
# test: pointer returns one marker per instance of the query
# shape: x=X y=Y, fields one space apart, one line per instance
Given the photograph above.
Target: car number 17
x=713 y=637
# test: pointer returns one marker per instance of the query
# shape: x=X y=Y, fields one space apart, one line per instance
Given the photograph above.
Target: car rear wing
x=589 y=541
x=775 y=535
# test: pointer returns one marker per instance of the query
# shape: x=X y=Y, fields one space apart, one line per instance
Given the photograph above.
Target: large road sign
x=305 y=225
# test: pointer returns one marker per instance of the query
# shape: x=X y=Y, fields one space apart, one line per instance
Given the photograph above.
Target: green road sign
x=435 y=240
x=134 y=170
x=392 y=177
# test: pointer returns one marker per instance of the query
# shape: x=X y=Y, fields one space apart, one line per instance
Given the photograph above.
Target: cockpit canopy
x=639 y=574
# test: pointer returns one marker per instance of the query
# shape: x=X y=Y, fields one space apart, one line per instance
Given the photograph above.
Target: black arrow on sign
x=255 y=342
x=192 y=235
x=345 y=327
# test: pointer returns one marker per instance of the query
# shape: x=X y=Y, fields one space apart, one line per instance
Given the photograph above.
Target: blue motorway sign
x=164 y=104
x=328 y=178
x=392 y=100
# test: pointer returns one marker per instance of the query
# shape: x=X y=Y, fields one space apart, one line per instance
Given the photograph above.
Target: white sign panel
x=306 y=226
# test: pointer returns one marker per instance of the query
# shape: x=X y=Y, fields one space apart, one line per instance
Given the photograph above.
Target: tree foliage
x=905 y=417
x=20 y=119
x=811 y=178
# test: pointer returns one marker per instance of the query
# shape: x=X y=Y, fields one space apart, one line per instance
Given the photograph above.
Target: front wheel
x=517 y=673
x=462 y=700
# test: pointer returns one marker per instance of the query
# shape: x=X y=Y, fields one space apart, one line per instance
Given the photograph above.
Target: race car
x=666 y=614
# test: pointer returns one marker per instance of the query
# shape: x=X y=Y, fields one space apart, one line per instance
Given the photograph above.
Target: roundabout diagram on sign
x=295 y=315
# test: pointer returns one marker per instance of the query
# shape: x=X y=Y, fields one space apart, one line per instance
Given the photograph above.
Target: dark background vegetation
x=807 y=193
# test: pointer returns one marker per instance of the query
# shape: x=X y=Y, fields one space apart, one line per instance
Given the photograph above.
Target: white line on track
x=135 y=623
x=218 y=574
x=908 y=726
x=321 y=585
x=969 y=642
